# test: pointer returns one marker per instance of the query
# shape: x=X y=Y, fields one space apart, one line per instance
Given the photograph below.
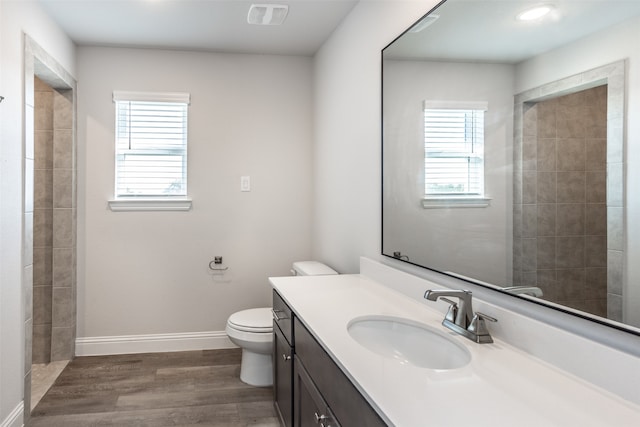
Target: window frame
x=141 y=202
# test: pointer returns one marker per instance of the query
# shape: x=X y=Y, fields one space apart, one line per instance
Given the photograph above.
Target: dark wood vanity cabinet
x=347 y=405
x=310 y=390
x=283 y=360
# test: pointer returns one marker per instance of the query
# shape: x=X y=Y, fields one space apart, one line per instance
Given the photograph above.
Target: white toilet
x=252 y=330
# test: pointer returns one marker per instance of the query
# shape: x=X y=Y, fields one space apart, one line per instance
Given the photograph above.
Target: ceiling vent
x=267 y=14
x=424 y=23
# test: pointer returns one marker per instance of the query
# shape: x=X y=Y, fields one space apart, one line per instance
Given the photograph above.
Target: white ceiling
x=207 y=25
x=487 y=31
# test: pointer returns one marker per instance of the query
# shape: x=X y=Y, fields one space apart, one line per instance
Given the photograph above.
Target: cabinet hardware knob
x=286 y=357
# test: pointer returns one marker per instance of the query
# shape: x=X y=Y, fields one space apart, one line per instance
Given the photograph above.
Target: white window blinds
x=454 y=149
x=151 y=144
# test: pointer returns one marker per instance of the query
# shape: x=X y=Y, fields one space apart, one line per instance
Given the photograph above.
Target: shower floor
x=43 y=375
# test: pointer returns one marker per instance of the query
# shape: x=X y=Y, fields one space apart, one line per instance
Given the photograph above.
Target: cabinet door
x=310 y=409
x=337 y=390
x=283 y=377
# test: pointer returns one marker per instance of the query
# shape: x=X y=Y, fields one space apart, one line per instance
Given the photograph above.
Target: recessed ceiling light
x=534 y=13
x=267 y=14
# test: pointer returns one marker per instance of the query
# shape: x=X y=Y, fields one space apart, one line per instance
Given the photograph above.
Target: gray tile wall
x=63 y=313
x=611 y=189
x=563 y=227
x=53 y=225
x=42 y=221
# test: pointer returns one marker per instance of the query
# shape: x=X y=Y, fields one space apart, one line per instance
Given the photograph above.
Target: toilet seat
x=256 y=320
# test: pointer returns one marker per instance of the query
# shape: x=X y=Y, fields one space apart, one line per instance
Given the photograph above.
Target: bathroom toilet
x=252 y=330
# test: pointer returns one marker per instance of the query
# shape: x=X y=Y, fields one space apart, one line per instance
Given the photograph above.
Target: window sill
x=129 y=205
x=439 y=203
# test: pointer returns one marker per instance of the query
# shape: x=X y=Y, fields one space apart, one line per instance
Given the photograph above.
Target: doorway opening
x=569 y=191
x=49 y=242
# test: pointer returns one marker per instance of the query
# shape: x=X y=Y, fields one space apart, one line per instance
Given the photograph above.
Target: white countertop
x=501 y=386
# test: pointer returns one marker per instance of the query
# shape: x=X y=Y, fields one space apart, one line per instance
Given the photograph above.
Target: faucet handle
x=479 y=328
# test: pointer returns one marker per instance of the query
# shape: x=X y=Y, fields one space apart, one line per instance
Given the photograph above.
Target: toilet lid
x=252 y=320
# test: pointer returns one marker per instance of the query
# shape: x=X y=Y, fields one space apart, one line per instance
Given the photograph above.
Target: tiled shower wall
x=63 y=297
x=42 y=221
x=53 y=225
x=564 y=200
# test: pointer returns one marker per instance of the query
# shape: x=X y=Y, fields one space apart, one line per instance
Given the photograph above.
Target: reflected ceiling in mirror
x=490 y=31
x=548 y=219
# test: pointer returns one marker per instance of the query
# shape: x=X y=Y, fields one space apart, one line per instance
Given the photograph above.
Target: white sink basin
x=408 y=342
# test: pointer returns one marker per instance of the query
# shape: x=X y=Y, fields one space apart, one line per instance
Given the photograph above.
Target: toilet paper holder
x=216 y=264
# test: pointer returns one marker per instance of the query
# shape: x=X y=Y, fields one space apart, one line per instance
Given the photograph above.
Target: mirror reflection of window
x=454 y=150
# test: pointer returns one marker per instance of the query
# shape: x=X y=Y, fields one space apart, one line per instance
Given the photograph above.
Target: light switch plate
x=245 y=183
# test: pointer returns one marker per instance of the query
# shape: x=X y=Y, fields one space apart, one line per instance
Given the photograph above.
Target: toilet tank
x=311 y=268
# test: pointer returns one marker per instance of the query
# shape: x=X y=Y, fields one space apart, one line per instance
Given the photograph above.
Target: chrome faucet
x=461 y=312
x=460 y=317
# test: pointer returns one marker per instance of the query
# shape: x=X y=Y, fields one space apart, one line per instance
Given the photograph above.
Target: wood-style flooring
x=195 y=388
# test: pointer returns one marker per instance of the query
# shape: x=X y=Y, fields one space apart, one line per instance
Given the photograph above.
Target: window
x=454 y=150
x=151 y=145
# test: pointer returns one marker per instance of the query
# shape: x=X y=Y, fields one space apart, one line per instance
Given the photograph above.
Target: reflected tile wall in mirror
x=564 y=212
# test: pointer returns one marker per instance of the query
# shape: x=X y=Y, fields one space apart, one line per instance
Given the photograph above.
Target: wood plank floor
x=196 y=388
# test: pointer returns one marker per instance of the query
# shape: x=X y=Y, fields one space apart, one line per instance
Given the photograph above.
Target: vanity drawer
x=282 y=317
x=346 y=402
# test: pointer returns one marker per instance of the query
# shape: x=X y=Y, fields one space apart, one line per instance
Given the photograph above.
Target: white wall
x=346 y=222
x=17 y=18
x=473 y=242
x=603 y=48
x=147 y=272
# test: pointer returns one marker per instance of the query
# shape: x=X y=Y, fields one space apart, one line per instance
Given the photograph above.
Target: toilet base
x=256 y=369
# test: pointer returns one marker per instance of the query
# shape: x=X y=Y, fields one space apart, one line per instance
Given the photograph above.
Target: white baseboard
x=153 y=343
x=15 y=418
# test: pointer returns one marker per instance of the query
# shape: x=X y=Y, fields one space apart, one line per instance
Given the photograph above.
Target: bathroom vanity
x=325 y=377
x=309 y=388
x=283 y=360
